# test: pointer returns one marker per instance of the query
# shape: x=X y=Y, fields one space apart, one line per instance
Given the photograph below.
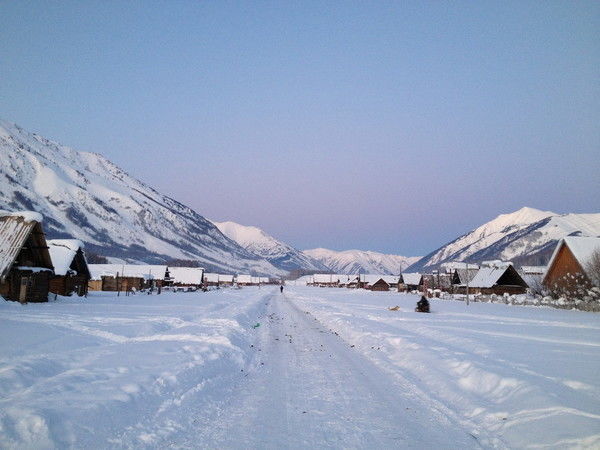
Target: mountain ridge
x=361 y=261
x=526 y=236
x=86 y=196
x=277 y=252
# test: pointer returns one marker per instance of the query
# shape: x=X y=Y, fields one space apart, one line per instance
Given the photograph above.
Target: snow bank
x=119 y=371
x=516 y=377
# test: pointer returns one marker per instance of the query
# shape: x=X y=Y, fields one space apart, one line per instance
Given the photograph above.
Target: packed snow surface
x=309 y=368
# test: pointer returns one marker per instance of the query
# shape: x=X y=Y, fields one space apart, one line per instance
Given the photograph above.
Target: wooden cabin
x=568 y=266
x=244 y=280
x=411 y=282
x=496 y=279
x=71 y=271
x=186 y=276
x=218 y=280
x=127 y=277
x=25 y=263
x=379 y=285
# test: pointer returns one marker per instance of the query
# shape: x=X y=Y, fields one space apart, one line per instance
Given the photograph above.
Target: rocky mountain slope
x=85 y=196
x=526 y=236
x=278 y=253
x=361 y=261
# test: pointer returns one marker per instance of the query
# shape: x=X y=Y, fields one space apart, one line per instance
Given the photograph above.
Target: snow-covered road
x=308 y=388
x=324 y=368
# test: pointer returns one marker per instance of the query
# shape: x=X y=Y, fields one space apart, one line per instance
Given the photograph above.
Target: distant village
x=32 y=269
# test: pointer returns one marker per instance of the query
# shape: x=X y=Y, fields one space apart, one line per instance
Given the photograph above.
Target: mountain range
x=278 y=253
x=84 y=195
x=361 y=261
x=525 y=237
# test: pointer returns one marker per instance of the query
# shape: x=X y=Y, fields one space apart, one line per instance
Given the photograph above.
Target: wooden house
x=496 y=279
x=71 y=271
x=127 y=277
x=325 y=280
x=244 y=280
x=25 y=263
x=379 y=285
x=411 y=282
x=186 y=276
x=568 y=266
x=218 y=279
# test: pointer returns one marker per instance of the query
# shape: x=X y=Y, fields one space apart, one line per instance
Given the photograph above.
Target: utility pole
x=467 y=266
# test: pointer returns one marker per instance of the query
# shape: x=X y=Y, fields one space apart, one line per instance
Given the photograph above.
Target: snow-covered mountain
x=526 y=236
x=361 y=261
x=85 y=196
x=278 y=253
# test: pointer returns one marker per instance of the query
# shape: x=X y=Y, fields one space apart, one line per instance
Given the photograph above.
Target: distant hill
x=278 y=253
x=527 y=236
x=361 y=261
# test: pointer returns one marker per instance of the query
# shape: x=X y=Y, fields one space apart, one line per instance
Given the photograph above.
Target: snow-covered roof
x=186 y=275
x=374 y=278
x=218 y=278
x=455 y=265
x=62 y=252
x=487 y=277
x=413 y=278
x=147 y=272
x=15 y=228
x=244 y=279
x=582 y=248
x=497 y=263
x=325 y=278
x=533 y=270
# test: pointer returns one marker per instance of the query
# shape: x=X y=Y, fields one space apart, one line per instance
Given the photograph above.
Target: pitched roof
x=62 y=252
x=147 y=272
x=15 y=229
x=186 y=275
x=582 y=248
x=488 y=277
x=218 y=278
x=243 y=279
x=412 y=278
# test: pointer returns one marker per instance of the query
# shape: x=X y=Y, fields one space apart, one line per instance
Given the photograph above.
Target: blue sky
x=390 y=126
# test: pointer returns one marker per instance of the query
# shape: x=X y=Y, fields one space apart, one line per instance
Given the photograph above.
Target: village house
x=379 y=285
x=71 y=271
x=186 y=277
x=244 y=280
x=411 y=282
x=218 y=279
x=533 y=276
x=496 y=278
x=568 y=268
x=325 y=280
x=25 y=263
x=126 y=277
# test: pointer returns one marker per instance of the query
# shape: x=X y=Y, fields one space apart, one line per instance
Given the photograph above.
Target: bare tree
x=592 y=268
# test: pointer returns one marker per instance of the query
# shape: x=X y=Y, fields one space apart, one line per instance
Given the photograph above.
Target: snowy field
x=311 y=368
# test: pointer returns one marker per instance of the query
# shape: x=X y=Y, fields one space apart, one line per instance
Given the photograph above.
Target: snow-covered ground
x=323 y=368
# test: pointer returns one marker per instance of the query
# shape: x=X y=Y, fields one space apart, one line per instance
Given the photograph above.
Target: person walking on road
x=281 y=289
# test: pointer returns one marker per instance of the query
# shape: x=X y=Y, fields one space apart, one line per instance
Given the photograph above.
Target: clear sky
x=391 y=126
